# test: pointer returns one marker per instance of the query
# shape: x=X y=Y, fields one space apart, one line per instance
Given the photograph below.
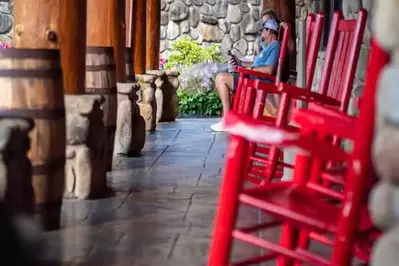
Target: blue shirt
x=268 y=56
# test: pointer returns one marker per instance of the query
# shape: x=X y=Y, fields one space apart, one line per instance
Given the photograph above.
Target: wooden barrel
x=31 y=82
x=129 y=65
x=101 y=79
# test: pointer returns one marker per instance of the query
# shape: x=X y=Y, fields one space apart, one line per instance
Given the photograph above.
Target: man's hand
x=233 y=60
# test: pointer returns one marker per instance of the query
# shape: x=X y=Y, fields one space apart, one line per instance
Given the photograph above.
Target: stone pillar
x=153 y=31
x=130 y=126
x=166 y=83
x=86 y=155
x=16 y=189
x=147 y=101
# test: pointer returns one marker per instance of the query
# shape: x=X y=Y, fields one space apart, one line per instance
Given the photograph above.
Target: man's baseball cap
x=270 y=24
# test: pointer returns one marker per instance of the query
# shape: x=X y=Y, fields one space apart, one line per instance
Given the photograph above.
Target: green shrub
x=207 y=103
x=187 y=52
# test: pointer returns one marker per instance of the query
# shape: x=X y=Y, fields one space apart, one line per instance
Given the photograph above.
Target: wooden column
x=36 y=24
x=119 y=38
x=73 y=44
x=57 y=25
x=106 y=28
x=139 y=44
x=153 y=32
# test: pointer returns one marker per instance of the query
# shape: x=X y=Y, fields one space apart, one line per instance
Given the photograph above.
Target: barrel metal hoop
x=44 y=54
x=31 y=73
x=111 y=90
x=100 y=68
x=41 y=114
x=48 y=167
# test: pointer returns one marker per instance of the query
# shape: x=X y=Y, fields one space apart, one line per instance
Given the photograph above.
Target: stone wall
x=305 y=7
x=6 y=21
x=233 y=23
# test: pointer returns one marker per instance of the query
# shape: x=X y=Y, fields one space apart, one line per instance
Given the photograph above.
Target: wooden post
x=73 y=45
x=39 y=96
x=153 y=32
x=57 y=25
x=106 y=28
x=119 y=38
x=139 y=44
x=36 y=24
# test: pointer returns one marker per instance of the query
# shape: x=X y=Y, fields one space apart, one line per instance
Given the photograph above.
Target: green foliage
x=187 y=52
x=199 y=103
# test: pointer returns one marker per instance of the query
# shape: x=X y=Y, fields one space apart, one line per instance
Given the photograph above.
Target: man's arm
x=265 y=69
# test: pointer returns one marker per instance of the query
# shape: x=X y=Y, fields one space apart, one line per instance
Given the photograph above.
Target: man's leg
x=225 y=84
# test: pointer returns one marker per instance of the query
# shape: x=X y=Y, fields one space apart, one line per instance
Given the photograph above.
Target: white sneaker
x=218 y=127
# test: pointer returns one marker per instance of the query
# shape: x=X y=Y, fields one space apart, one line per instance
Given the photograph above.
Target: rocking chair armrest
x=323 y=123
x=257 y=131
x=306 y=95
x=331 y=111
x=249 y=72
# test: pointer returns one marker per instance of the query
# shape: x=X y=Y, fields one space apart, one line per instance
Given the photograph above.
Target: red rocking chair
x=335 y=89
x=297 y=203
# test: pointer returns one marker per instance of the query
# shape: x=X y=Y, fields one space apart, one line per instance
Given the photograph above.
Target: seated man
x=265 y=62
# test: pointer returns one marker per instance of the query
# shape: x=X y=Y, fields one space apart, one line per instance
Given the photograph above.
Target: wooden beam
x=139 y=44
x=153 y=33
x=73 y=45
x=106 y=28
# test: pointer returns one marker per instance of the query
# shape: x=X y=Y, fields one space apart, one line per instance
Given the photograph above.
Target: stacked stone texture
x=6 y=21
x=232 y=23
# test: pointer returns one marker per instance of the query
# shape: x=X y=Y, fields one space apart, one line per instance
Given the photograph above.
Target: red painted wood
x=299 y=204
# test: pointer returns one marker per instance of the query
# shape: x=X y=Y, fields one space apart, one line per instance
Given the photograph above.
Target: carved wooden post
x=153 y=31
x=139 y=44
x=39 y=96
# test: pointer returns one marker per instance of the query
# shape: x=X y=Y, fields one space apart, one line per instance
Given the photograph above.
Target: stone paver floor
x=163 y=208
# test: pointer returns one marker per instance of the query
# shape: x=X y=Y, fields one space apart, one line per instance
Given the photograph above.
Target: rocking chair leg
x=288 y=239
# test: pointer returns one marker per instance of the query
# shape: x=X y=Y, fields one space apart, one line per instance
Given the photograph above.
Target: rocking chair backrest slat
x=310 y=25
x=341 y=57
x=314 y=28
x=284 y=36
